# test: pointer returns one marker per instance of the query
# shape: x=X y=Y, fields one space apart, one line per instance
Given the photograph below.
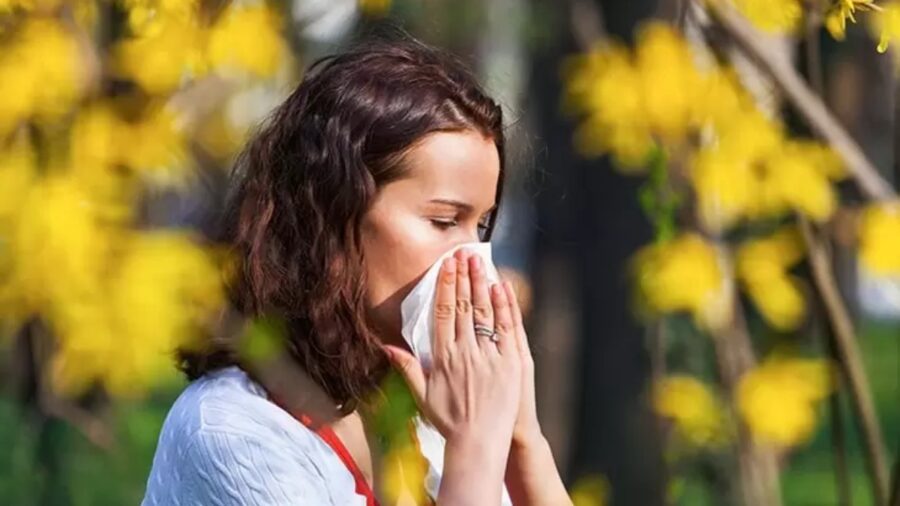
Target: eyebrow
x=461 y=205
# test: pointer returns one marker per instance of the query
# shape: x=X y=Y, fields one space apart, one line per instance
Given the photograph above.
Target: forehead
x=463 y=165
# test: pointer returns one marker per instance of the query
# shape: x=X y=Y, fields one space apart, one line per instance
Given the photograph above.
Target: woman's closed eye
x=445 y=224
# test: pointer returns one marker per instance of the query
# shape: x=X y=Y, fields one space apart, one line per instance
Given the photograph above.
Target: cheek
x=398 y=253
x=414 y=249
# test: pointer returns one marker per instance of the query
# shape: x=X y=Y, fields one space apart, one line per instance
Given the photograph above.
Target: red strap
x=331 y=439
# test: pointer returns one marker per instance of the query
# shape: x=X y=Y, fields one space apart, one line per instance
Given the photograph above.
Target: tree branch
x=850 y=361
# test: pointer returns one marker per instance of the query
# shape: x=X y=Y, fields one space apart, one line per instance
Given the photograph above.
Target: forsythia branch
x=810 y=106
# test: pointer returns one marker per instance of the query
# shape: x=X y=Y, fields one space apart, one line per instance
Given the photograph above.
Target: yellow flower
x=726 y=187
x=96 y=142
x=159 y=297
x=17 y=175
x=885 y=24
x=163 y=296
x=41 y=51
x=18 y=94
x=247 y=39
x=750 y=171
x=797 y=176
x=404 y=471
x=750 y=135
x=762 y=266
x=842 y=10
x=152 y=145
x=721 y=98
x=772 y=15
x=605 y=88
x=85 y=340
x=669 y=103
x=686 y=274
x=778 y=399
x=590 y=490
x=148 y=17
x=692 y=407
x=161 y=59
x=726 y=173
x=9 y=5
x=157 y=147
x=58 y=246
x=879 y=239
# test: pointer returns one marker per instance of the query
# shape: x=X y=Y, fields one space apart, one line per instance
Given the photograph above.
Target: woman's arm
x=531 y=474
x=532 y=477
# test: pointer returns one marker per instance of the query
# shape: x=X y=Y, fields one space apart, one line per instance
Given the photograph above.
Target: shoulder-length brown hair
x=303 y=184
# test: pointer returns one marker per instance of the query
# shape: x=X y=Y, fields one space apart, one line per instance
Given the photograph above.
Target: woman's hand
x=473 y=387
x=471 y=393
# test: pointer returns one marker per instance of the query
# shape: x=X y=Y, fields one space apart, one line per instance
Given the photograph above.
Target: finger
x=465 y=326
x=445 y=307
x=409 y=367
x=482 y=307
x=503 y=321
x=518 y=324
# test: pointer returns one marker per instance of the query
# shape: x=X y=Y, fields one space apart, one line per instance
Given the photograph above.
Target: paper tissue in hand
x=417 y=312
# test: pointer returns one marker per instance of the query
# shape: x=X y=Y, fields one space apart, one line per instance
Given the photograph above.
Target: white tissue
x=417 y=312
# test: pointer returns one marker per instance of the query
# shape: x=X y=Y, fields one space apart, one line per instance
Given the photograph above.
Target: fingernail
x=450 y=264
x=475 y=262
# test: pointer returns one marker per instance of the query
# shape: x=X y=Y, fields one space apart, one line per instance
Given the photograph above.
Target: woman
x=383 y=158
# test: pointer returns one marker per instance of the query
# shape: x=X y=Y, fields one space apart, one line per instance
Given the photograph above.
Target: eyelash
x=444 y=225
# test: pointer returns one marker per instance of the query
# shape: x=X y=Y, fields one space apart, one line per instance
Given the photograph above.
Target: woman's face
x=447 y=193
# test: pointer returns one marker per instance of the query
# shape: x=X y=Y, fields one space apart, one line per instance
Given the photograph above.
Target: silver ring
x=484 y=330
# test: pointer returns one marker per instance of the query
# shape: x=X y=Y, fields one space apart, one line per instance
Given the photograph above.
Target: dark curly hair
x=303 y=184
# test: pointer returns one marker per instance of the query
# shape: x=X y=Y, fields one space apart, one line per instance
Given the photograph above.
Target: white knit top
x=224 y=443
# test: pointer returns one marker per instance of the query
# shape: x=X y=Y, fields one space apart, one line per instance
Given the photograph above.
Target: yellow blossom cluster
x=171 y=43
x=778 y=399
x=76 y=155
x=627 y=107
x=160 y=296
x=696 y=413
x=118 y=301
x=762 y=268
x=785 y=16
x=691 y=274
x=753 y=172
x=42 y=73
x=687 y=273
x=839 y=11
x=740 y=162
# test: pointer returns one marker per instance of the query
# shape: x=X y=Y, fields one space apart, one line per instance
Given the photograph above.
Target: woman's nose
x=469 y=236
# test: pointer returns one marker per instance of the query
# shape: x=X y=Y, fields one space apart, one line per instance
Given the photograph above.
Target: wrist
x=470 y=447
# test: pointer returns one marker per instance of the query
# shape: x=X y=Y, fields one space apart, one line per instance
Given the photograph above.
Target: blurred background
x=701 y=221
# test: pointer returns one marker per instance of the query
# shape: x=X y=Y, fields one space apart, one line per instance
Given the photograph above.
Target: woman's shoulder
x=228 y=402
x=223 y=437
